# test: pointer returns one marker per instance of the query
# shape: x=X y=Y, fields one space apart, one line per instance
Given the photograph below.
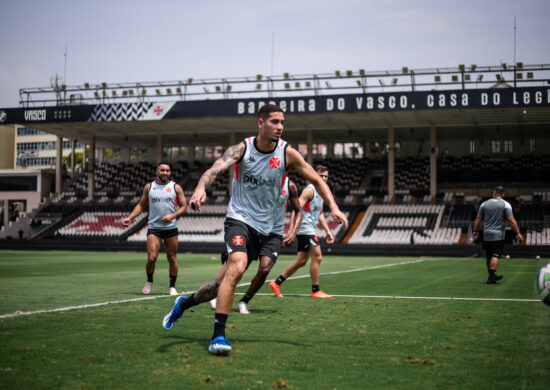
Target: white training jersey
x=257 y=185
x=280 y=210
x=162 y=201
x=311 y=212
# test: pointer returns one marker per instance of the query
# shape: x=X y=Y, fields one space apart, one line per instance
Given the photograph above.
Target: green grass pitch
x=78 y=320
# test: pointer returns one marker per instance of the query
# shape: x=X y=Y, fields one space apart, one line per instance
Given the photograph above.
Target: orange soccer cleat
x=320 y=294
x=276 y=289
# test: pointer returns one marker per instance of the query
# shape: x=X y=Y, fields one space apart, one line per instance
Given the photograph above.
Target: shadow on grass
x=181 y=340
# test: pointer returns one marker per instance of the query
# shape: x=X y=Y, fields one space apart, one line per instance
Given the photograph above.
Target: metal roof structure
x=462 y=103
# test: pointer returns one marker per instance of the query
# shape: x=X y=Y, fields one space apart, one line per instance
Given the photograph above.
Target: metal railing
x=289 y=85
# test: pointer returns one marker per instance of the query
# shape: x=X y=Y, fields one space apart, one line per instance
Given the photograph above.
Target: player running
x=260 y=165
x=272 y=247
x=166 y=203
x=308 y=243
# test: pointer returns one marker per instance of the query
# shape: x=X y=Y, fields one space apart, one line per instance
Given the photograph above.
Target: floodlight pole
x=515 y=29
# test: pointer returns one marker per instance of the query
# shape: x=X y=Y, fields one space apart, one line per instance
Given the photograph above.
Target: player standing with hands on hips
x=166 y=203
x=494 y=213
x=260 y=166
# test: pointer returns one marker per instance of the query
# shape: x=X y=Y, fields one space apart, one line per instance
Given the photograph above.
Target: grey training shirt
x=494 y=213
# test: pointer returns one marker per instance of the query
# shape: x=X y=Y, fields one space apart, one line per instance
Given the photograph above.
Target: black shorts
x=271 y=247
x=493 y=249
x=306 y=241
x=239 y=237
x=162 y=234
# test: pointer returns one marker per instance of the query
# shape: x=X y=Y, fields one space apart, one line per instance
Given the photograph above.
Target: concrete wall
x=32 y=198
x=7 y=147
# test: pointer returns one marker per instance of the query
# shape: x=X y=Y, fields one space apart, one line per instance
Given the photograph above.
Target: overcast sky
x=160 y=40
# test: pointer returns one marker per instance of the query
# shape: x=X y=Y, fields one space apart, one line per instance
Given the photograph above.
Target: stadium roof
x=458 y=114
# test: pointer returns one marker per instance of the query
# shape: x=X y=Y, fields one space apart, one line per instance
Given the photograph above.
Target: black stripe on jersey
x=242 y=155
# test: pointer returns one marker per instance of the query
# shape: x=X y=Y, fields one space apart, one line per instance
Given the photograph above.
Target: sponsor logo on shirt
x=259 y=181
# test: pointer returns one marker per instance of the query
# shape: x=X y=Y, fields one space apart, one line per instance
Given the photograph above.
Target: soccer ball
x=543 y=284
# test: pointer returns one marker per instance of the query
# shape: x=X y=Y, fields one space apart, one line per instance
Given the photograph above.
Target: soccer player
x=166 y=203
x=308 y=243
x=260 y=165
x=272 y=247
x=494 y=213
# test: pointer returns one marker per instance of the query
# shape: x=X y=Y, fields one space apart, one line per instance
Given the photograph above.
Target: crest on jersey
x=274 y=162
x=168 y=189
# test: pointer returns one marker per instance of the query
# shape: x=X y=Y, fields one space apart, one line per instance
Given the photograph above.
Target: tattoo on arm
x=230 y=157
x=207 y=291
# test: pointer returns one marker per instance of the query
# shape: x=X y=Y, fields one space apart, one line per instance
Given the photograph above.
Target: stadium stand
x=411 y=217
x=541 y=237
x=467 y=171
x=413 y=174
x=404 y=224
x=94 y=224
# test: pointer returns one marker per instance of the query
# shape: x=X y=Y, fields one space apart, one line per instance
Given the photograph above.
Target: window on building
x=338 y=150
x=218 y=151
x=508 y=146
x=532 y=145
x=495 y=146
x=472 y=147
x=26 y=131
x=199 y=152
x=184 y=151
x=302 y=149
x=209 y=152
x=138 y=154
x=319 y=150
x=112 y=154
x=353 y=150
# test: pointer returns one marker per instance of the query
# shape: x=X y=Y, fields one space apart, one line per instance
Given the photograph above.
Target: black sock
x=280 y=280
x=150 y=277
x=188 y=302
x=173 y=280
x=246 y=298
x=492 y=273
x=315 y=288
x=219 y=325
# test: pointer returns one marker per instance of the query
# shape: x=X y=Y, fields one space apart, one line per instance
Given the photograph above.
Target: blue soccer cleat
x=171 y=318
x=219 y=346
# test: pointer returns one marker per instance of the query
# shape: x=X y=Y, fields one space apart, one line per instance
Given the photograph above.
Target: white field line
x=100 y=304
x=418 y=298
x=67 y=308
x=354 y=270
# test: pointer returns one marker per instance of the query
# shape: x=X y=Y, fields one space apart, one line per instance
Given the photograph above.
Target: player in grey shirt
x=494 y=213
x=166 y=202
x=247 y=225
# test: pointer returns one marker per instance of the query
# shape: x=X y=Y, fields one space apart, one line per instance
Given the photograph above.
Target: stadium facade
x=409 y=142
